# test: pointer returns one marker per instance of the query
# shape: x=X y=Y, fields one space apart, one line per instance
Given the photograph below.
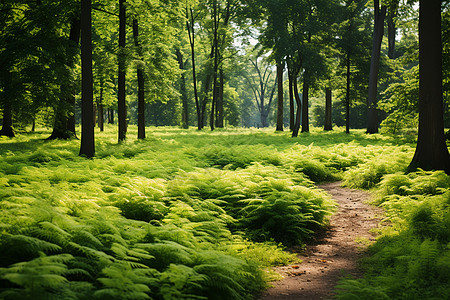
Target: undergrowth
x=411 y=259
x=181 y=215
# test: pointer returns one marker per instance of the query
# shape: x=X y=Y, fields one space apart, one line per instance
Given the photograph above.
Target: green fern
x=41 y=276
x=123 y=282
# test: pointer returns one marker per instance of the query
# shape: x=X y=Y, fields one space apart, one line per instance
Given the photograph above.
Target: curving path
x=334 y=253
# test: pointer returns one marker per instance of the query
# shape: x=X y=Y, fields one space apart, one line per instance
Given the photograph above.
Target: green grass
x=182 y=214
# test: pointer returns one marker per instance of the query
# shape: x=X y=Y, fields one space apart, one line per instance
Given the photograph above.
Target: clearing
x=334 y=253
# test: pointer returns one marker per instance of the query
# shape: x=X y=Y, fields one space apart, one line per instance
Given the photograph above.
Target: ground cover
x=182 y=214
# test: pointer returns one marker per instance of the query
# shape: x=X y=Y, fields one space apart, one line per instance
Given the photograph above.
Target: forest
x=176 y=149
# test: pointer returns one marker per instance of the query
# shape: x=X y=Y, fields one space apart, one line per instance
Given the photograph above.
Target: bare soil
x=333 y=253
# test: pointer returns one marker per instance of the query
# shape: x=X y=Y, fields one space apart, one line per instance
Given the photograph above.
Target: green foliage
x=377 y=162
x=239 y=156
x=411 y=259
x=401 y=103
x=161 y=219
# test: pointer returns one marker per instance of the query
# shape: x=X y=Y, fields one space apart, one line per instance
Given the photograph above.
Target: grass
x=182 y=214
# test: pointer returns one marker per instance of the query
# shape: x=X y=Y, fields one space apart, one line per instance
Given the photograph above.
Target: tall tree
x=431 y=150
x=215 y=16
x=141 y=82
x=280 y=69
x=183 y=91
x=378 y=31
x=392 y=29
x=328 y=110
x=259 y=79
x=87 y=147
x=7 y=125
x=122 y=105
x=190 y=25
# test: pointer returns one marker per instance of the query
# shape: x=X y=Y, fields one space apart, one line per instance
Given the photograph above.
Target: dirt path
x=334 y=253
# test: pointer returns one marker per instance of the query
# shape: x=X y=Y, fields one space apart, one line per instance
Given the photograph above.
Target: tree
x=190 y=25
x=183 y=91
x=87 y=147
x=259 y=79
x=378 y=31
x=351 y=43
x=122 y=105
x=431 y=150
x=392 y=29
x=280 y=68
x=328 y=109
x=141 y=82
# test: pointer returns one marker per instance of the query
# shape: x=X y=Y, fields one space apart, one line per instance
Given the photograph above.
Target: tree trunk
x=280 y=68
x=101 y=120
x=431 y=150
x=122 y=106
x=190 y=28
x=141 y=83
x=220 y=116
x=372 y=120
x=87 y=147
x=296 y=126
x=184 y=99
x=391 y=34
x=216 y=64
x=328 y=110
x=305 y=108
x=347 y=98
x=291 y=101
x=110 y=116
x=94 y=116
x=7 y=126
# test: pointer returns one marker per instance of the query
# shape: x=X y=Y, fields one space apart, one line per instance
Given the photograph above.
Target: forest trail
x=333 y=253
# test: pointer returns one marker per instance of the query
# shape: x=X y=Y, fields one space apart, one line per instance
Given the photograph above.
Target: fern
x=42 y=276
x=123 y=282
x=359 y=290
x=15 y=248
x=181 y=282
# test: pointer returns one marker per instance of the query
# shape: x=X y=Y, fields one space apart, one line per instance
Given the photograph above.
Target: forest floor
x=333 y=253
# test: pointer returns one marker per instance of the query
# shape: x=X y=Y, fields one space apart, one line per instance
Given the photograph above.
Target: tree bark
x=296 y=127
x=184 y=99
x=122 y=106
x=216 y=64
x=291 y=101
x=328 y=110
x=220 y=116
x=431 y=150
x=87 y=147
x=7 y=126
x=110 y=116
x=378 y=31
x=205 y=95
x=141 y=83
x=191 y=33
x=392 y=30
x=305 y=108
x=101 y=120
x=280 y=68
